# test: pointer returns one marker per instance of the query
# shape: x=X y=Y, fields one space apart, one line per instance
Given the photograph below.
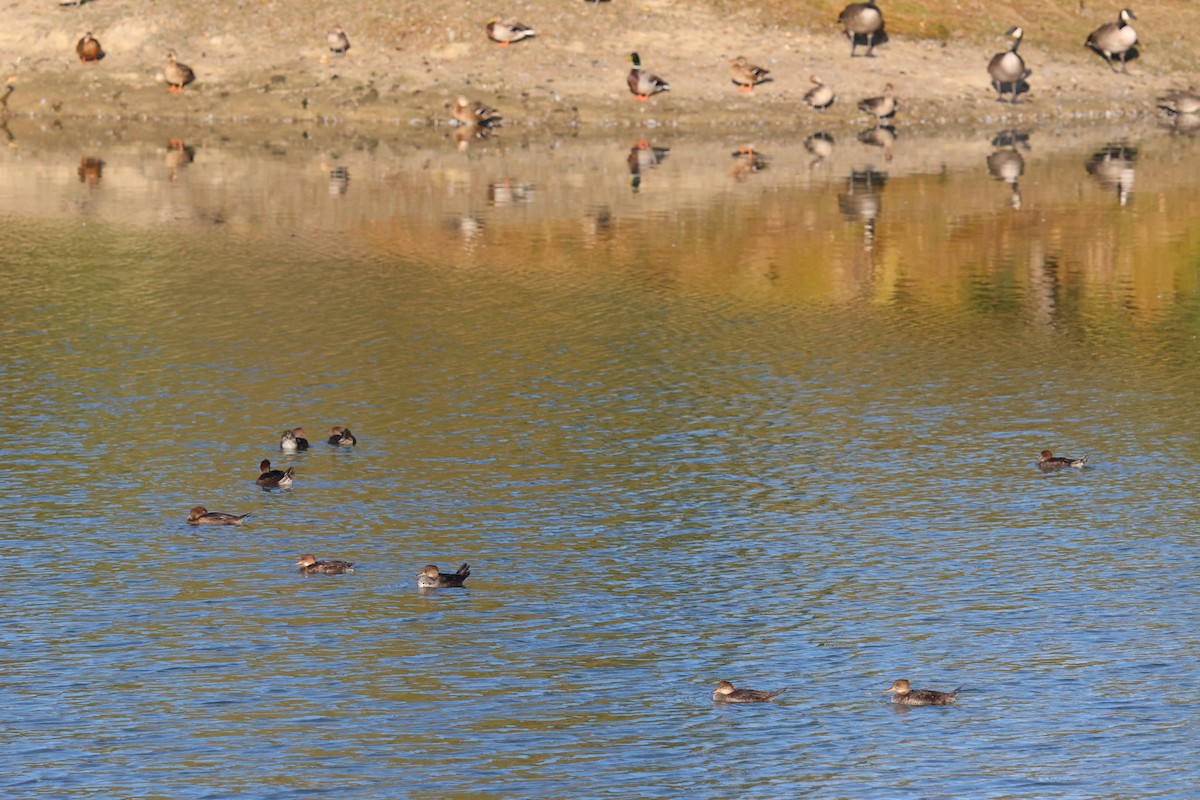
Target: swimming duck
x=1047 y=461
x=746 y=75
x=1180 y=102
x=430 y=578
x=1114 y=39
x=89 y=49
x=273 y=477
x=475 y=114
x=293 y=440
x=644 y=83
x=337 y=40
x=725 y=693
x=341 y=437
x=202 y=516
x=820 y=96
x=880 y=107
x=861 y=19
x=507 y=31
x=1008 y=68
x=309 y=565
x=177 y=75
x=904 y=695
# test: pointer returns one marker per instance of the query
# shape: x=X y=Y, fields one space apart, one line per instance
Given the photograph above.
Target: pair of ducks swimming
x=902 y=693
x=428 y=578
x=295 y=439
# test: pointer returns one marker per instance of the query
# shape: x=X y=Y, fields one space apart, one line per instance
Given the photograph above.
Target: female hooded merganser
x=341 y=437
x=202 y=516
x=1048 y=461
x=293 y=440
x=725 y=693
x=273 y=477
x=430 y=578
x=309 y=565
x=904 y=695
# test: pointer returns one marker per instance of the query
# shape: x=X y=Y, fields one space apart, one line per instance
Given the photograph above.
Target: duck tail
x=464 y=570
x=955 y=692
x=288 y=473
x=241 y=519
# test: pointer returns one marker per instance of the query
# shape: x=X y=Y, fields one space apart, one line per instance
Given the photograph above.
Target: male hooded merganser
x=341 y=437
x=202 y=516
x=309 y=565
x=1047 y=461
x=902 y=694
x=725 y=693
x=293 y=440
x=273 y=477
x=430 y=578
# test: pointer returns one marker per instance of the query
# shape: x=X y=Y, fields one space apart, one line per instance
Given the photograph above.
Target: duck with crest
x=725 y=693
x=903 y=694
x=644 y=83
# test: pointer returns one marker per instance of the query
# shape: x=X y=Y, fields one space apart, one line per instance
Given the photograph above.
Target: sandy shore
x=266 y=62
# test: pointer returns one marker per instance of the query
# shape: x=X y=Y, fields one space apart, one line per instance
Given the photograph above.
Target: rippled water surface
x=689 y=416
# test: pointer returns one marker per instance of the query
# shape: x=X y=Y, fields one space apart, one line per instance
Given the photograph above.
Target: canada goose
x=507 y=31
x=880 y=107
x=177 y=75
x=861 y=19
x=475 y=114
x=1180 y=102
x=1114 y=39
x=644 y=83
x=746 y=75
x=88 y=49
x=337 y=40
x=820 y=96
x=1008 y=68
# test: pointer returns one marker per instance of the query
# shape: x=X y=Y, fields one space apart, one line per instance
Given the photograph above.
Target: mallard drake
x=861 y=19
x=725 y=693
x=475 y=114
x=177 y=75
x=746 y=75
x=202 y=516
x=1180 y=102
x=820 y=96
x=309 y=565
x=903 y=694
x=1048 y=461
x=430 y=578
x=1114 y=39
x=341 y=437
x=644 y=83
x=293 y=440
x=880 y=107
x=337 y=40
x=508 y=31
x=272 y=477
x=1008 y=68
x=89 y=49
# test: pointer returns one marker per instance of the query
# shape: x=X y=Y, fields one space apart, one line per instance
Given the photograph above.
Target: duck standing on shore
x=177 y=75
x=642 y=82
x=508 y=31
x=337 y=40
x=88 y=49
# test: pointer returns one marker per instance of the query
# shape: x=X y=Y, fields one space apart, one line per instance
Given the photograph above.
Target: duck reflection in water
x=883 y=136
x=644 y=156
x=861 y=201
x=466 y=135
x=820 y=144
x=91 y=169
x=1112 y=167
x=339 y=181
x=746 y=161
x=178 y=156
x=509 y=192
x=1183 y=107
x=1006 y=163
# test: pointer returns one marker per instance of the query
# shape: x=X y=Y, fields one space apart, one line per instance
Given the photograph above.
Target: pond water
x=690 y=413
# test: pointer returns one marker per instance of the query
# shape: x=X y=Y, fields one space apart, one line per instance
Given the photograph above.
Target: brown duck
x=89 y=49
x=177 y=75
x=1048 y=461
x=202 y=516
x=905 y=695
x=272 y=477
x=309 y=565
x=725 y=693
x=430 y=578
